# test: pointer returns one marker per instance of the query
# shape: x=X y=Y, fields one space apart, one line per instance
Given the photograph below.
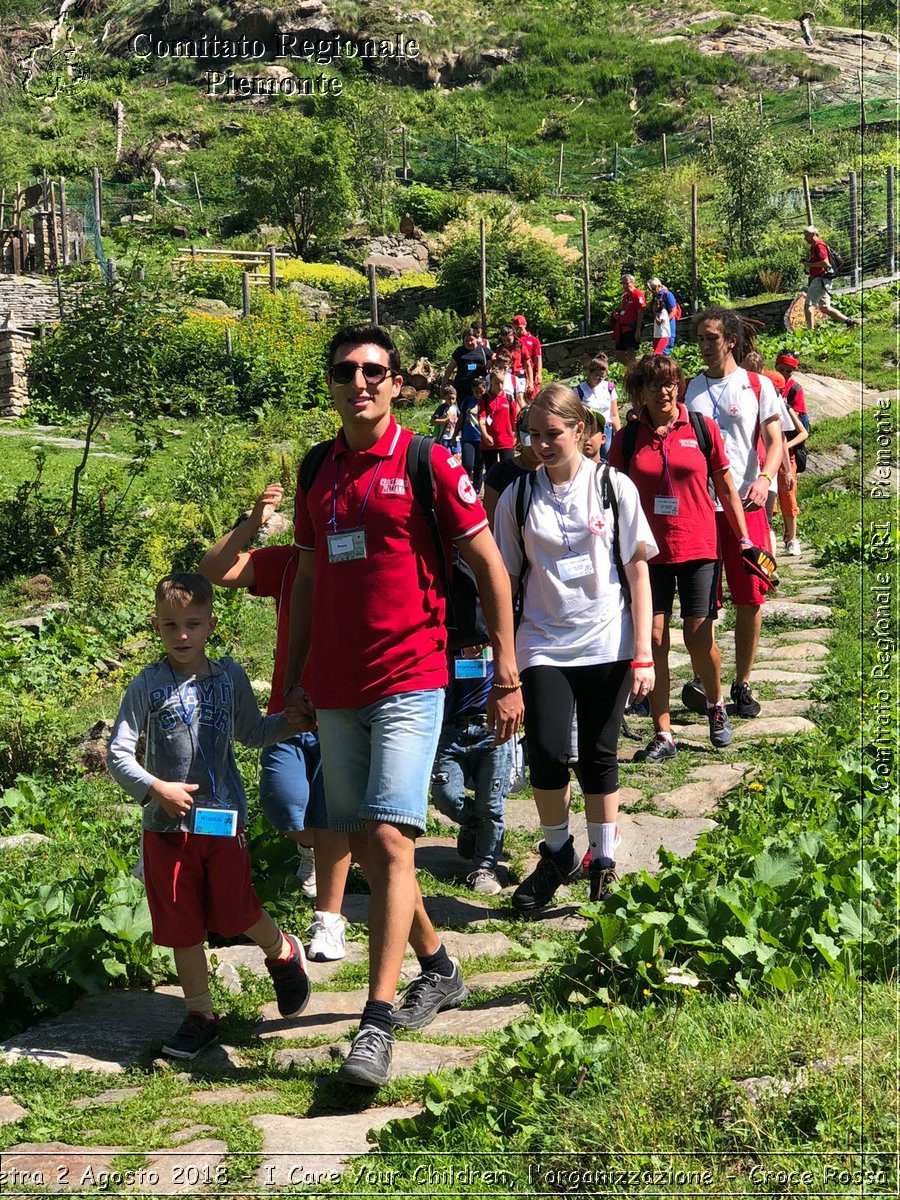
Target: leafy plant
x=746 y=161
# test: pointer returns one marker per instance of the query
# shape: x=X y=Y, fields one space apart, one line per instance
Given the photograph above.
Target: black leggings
x=598 y=694
x=473 y=463
x=491 y=457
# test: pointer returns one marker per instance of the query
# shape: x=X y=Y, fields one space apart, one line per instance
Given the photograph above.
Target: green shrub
x=673 y=267
x=429 y=207
x=773 y=271
x=434 y=334
x=215 y=278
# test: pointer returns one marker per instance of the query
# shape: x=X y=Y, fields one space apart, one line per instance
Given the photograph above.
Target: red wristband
x=642 y=664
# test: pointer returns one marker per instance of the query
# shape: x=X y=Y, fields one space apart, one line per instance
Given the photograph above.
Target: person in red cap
x=821 y=278
x=531 y=348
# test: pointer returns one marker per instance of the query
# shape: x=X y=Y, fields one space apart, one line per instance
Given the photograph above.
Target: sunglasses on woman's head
x=345 y=372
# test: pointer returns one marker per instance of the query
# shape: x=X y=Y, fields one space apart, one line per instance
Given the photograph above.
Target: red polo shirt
x=633 y=303
x=500 y=413
x=531 y=347
x=818 y=256
x=378 y=622
x=274 y=568
x=692 y=533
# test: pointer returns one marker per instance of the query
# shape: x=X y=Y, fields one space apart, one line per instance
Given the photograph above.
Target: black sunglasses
x=345 y=372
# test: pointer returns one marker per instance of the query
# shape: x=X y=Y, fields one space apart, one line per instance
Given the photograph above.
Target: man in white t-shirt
x=746 y=409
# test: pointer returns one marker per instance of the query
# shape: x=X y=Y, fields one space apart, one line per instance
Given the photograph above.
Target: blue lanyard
x=195 y=738
x=558 y=503
x=334 y=492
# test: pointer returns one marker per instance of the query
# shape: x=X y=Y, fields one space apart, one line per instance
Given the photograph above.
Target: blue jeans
x=377 y=759
x=467 y=756
x=291 y=792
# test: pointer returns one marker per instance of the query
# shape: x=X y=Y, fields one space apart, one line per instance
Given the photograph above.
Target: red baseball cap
x=519 y=320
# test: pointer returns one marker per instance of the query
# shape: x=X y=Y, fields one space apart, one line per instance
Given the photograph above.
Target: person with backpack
x=575 y=543
x=822 y=269
x=792 y=394
x=666 y=300
x=367 y=661
x=746 y=409
x=599 y=393
x=673 y=457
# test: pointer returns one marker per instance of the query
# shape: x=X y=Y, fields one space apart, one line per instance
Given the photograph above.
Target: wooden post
x=482 y=278
x=373 y=294
x=809 y=120
x=862 y=103
x=616 y=161
x=456 y=150
x=273 y=282
x=665 y=153
x=64 y=220
x=228 y=346
x=3 y=208
x=586 y=270
x=139 y=274
x=193 y=255
x=808 y=198
x=559 y=169
x=405 y=145
x=110 y=270
x=695 y=288
x=197 y=190
x=759 y=104
x=854 y=231
x=712 y=136
x=891 y=224
x=45 y=194
x=59 y=296
x=54 y=238
x=245 y=294
x=506 y=155
x=119 y=110
x=17 y=208
x=98 y=200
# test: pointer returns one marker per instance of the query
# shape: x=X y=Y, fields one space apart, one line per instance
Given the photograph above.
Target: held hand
x=267 y=502
x=174 y=798
x=505 y=713
x=757 y=494
x=299 y=709
x=642 y=681
x=790 y=480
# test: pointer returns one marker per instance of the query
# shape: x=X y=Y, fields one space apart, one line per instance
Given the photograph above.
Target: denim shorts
x=291 y=789
x=377 y=759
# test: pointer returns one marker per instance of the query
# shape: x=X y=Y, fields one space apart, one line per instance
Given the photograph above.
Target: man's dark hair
x=365 y=335
x=735 y=328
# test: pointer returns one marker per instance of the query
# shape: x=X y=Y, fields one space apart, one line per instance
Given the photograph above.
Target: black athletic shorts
x=627 y=340
x=697 y=582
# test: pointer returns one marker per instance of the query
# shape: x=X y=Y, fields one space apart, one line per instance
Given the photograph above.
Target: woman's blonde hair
x=562 y=402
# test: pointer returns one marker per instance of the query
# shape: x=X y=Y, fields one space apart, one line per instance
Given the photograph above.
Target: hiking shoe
x=194 y=1032
x=744 y=703
x=639 y=709
x=693 y=697
x=720 y=731
x=658 y=750
x=465 y=842
x=553 y=870
x=602 y=874
x=290 y=980
x=484 y=882
x=327 y=940
x=792 y=548
x=306 y=872
x=368 y=1062
x=426 y=995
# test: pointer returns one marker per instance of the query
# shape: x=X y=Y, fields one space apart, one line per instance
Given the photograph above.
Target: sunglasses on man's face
x=345 y=372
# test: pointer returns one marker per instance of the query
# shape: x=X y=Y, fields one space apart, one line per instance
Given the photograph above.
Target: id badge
x=576 y=566
x=346 y=546
x=215 y=822
x=469 y=668
x=665 y=506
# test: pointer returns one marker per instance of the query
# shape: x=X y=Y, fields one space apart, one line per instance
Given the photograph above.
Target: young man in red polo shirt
x=627 y=321
x=531 y=348
x=369 y=642
x=821 y=274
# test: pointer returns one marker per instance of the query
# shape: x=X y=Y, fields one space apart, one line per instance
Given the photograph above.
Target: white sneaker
x=484 y=882
x=306 y=872
x=792 y=548
x=327 y=941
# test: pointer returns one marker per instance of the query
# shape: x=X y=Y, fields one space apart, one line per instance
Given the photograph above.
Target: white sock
x=595 y=836
x=667 y=734
x=608 y=839
x=556 y=836
x=201 y=1004
x=716 y=705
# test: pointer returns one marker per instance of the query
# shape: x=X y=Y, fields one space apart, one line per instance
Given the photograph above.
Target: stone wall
x=15 y=350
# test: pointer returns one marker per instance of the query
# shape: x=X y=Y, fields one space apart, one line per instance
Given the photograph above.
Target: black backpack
x=838 y=264
x=701 y=433
x=464 y=618
x=799 y=452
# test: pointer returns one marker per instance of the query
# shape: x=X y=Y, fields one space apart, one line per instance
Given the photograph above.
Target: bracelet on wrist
x=746 y=542
x=765 y=475
x=507 y=687
x=642 y=664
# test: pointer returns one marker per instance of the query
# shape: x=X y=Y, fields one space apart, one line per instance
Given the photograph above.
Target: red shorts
x=744 y=588
x=196 y=882
x=659 y=344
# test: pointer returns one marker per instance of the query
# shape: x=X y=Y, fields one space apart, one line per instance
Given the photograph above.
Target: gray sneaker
x=368 y=1063
x=426 y=995
x=484 y=882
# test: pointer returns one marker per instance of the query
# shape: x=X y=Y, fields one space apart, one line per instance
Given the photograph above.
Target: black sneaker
x=602 y=873
x=465 y=842
x=552 y=871
x=693 y=697
x=744 y=703
x=426 y=995
x=290 y=980
x=659 y=749
x=641 y=708
x=194 y=1032
x=368 y=1063
x=720 y=731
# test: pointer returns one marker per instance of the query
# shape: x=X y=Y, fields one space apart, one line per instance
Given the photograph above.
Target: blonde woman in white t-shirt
x=582 y=649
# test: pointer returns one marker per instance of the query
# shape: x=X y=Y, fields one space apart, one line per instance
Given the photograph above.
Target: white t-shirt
x=662 y=325
x=731 y=402
x=575 y=622
x=599 y=398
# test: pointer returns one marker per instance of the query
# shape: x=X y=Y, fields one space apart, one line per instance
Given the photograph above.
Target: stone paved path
x=115 y=1032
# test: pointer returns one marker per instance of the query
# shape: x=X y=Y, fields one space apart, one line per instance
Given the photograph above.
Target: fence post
x=110 y=270
x=854 y=231
x=17 y=207
x=456 y=150
x=482 y=279
x=808 y=199
x=139 y=274
x=228 y=347
x=862 y=103
x=809 y=120
x=245 y=293
x=891 y=224
x=97 y=182
x=64 y=220
x=273 y=285
x=665 y=153
x=695 y=288
x=405 y=144
x=759 y=104
x=45 y=193
x=712 y=138
x=373 y=294
x=586 y=268
x=506 y=155
x=616 y=161
x=197 y=190
x=559 y=170
x=54 y=238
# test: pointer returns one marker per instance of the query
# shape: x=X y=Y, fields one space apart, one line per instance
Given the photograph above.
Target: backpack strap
x=704 y=441
x=629 y=432
x=312 y=461
x=609 y=498
x=524 y=493
x=420 y=470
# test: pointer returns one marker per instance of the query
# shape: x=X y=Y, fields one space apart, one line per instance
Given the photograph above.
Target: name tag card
x=575 y=566
x=346 y=546
x=665 y=506
x=469 y=668
x=216 y=822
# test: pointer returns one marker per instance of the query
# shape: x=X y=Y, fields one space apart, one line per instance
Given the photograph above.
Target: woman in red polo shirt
x=498 y=412
x=663 y=454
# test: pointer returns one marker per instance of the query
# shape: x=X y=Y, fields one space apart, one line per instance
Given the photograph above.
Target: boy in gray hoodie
x=196 y=863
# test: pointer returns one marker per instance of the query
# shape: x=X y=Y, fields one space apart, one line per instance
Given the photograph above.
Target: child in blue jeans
x=467 y=757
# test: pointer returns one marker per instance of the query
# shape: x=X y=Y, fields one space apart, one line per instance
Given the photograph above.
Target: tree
x=296 y=173
x=746 y=162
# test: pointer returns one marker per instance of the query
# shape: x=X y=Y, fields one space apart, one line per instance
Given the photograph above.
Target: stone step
x=759 y=727
x=791 y=672
x=700 y=795
x=788 y=610
x=800 y=651
x=408 y=1059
